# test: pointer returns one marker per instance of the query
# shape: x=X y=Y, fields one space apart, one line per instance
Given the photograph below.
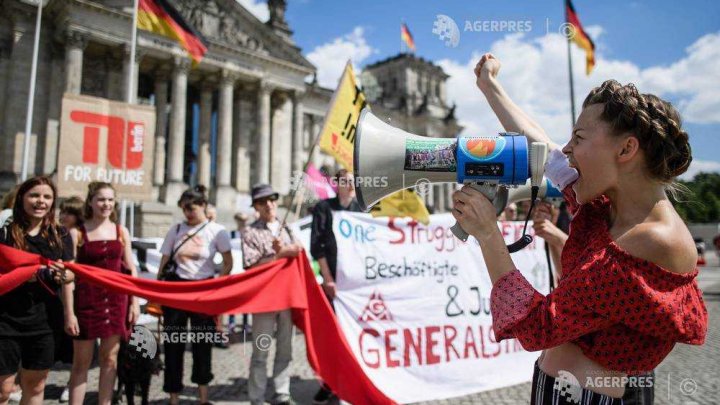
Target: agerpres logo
x=143 y=341
x=446 y=30
x=569 y=387
x=376 y=310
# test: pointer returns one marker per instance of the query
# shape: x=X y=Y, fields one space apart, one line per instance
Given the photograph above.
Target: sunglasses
x=187 y=206
x=263 y=201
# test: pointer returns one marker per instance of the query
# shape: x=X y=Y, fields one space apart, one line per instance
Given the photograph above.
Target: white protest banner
x=414 y=303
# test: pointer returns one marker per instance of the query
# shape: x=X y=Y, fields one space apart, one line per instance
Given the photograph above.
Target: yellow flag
x=403 y=203
x=337 y=138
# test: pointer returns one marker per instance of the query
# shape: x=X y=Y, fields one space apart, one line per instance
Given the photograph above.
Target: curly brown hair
x=655 y=123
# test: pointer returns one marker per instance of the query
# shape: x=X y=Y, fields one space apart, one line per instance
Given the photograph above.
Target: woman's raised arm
x=512 y=118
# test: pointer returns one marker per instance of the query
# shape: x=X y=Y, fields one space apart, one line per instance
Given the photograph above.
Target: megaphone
x=387 y=159
x=523 y=193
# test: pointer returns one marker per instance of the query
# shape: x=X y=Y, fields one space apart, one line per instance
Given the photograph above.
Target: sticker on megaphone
x=501 y=159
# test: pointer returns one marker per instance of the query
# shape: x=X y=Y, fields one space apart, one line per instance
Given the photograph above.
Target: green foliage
x=702 y=202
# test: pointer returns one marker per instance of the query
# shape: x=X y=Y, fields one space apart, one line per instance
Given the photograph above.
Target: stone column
x=204 y=158
x=136 y=71
x=225 y=193
x=176 y=142
x=263 y=125
x=75 y=44
x=161 y=98
x=54 y=103
x=315 y=128
x=244 y=124
x=281 y=142
x=297 y=134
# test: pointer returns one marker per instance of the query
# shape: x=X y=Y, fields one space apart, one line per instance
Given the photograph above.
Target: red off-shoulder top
x=624 y=313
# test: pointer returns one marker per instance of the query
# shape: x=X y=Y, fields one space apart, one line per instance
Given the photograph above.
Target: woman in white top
x=187 y=255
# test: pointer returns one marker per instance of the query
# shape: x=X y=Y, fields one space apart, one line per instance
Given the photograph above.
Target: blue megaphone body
x=503 y=159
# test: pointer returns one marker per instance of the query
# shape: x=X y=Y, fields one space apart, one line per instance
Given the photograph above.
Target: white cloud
x=698 y=166
x=695 y=79
x=330 y=57
x=534 y=73
x=258 y=8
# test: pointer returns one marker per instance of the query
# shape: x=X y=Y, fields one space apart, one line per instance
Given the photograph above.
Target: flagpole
x=572 y=85
x=316 y=143
x=130 y=98
x=569 y=34
x=301 y=187
x=133 y=40
x=31 y=94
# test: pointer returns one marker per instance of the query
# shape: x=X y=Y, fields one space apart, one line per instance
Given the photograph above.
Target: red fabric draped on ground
x=286 y=283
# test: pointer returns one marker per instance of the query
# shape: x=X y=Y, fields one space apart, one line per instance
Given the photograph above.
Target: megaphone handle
x=459 y=232
x=489 y=191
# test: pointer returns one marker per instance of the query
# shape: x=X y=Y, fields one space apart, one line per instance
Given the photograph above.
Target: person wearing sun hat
x=264 y=241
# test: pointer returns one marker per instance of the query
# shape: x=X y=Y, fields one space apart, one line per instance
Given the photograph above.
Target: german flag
x=580 y=37
x=160 y=17
x=406 y=36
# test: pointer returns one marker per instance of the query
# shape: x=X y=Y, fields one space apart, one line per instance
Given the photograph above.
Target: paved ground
x=690 y=375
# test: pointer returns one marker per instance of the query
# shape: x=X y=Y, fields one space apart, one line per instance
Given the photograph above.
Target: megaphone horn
x=383 y=165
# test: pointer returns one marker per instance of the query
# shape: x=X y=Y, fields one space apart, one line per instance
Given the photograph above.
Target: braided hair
x=655 y=123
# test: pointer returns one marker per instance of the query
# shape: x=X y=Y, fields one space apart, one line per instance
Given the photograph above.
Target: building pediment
x=227 y=23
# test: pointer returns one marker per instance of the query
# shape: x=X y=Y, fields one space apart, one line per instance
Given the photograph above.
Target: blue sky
x=671 y=48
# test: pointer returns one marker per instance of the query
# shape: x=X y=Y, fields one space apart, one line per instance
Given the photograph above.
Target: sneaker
x=65 y=396
x=323 y=396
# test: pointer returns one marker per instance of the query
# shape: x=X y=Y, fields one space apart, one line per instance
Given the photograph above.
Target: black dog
x=135 y=369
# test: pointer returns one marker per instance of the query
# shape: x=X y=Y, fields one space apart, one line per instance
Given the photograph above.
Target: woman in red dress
x=94 y=312
x=627 y=293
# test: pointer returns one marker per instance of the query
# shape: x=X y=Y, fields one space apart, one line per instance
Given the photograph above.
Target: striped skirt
x=565 y=390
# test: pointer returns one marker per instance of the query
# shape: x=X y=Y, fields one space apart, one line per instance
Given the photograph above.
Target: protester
x=71 y=217
x=211 y=212
x=71 y=212
x=547 y=225
x=323 y=245
x=628 y=291
x=91 y=311
x=545 y=217
x=241 y=221
x=264 y=241
x=510 y=213
x=187 y=255
x=7 y=205
x=26 y=337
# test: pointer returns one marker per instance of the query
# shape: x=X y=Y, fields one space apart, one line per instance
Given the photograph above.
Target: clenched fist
x=486 y=70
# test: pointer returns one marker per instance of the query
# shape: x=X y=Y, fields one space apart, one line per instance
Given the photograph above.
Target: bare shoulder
x=667 y=243
x=74 y=234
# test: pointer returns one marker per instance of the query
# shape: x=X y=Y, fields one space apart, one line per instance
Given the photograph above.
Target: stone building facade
x=245 y=114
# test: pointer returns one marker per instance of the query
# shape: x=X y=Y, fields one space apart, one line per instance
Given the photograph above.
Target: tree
x=702 y=202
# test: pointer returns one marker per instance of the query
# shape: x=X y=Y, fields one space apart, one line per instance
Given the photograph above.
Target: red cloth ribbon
x=282 y=284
